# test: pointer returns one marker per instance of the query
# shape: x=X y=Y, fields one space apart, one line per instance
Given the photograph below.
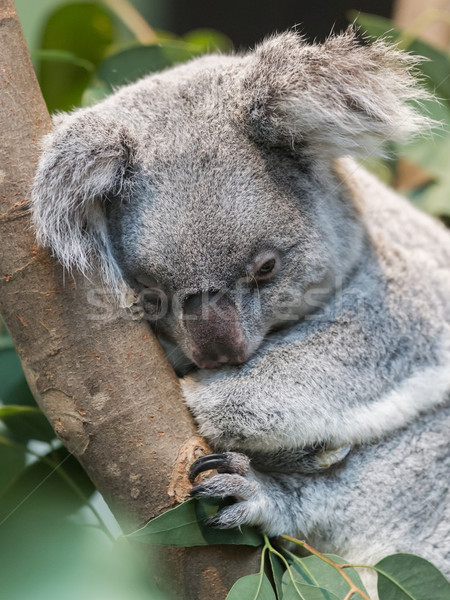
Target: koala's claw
x=206 y=463
x=236 y=515
x=250 y=500
x=226 y=462
x=226 y=485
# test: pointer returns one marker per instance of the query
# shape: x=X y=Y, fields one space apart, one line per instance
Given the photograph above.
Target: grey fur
x=186 y=179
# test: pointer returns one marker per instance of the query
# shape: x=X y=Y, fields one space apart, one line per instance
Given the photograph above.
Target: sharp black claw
x=196 y=491
x=206 y=463
x=213 y=522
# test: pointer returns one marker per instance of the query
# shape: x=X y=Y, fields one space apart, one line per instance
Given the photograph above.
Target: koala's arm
x=363 y=372
x=371 y=364
x=364 y=510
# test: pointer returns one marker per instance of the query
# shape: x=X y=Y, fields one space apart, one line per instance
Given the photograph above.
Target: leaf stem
x=133 y=20
x=261 y=570
x=354 y=589
x=269 y=546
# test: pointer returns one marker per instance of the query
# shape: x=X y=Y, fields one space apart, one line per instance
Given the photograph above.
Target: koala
x=305 y=305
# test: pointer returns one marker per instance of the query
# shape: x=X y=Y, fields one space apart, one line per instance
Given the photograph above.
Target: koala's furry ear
x=339 y=97
x=87 y=160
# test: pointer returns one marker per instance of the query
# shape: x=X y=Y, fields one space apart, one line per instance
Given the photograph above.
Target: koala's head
x=210 y=188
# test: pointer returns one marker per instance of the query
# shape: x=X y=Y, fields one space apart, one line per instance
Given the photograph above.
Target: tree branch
x=104 y=384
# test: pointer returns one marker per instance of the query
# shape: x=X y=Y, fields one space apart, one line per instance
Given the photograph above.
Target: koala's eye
x=266 y=266
x=266 y=269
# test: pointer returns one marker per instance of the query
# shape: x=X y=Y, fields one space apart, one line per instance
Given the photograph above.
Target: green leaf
x=12 y=462
x=208 y=40
x=278 y=569
x=433 y=199
x=40 y=487
x=10 y=410
x=432 y=156
x=19 y=412
x=410 y=577
x=185 y=525
x=26 y=423
x=6 y=342
x=252 y=587
x=44 y=557
x=83 y=29
x=62 y=56
x=162 y=35
x=312 y=570
x=13 y=386
x=95 y=92
x=131 y=64
x=302 y=591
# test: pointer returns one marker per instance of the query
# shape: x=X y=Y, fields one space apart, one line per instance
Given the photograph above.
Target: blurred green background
x=56 y=532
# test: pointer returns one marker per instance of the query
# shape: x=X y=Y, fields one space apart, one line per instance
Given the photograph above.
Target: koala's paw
x=234 y=480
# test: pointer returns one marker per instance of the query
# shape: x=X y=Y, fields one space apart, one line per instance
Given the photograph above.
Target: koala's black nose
x=215 y=332
x=199 y=306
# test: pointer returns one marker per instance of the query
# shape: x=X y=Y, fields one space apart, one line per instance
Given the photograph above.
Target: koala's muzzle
x=215 y=333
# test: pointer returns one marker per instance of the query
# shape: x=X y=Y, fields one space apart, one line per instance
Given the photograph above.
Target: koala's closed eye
x=154 y=303
x=153 y=298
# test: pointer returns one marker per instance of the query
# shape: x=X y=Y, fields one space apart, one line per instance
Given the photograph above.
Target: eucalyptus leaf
x=44 y=557
x=95 y=92
x=13 y=386
x=433 y=157
x=302 y=591
x=185 y=525
x=278 y=568
x=209 y=40
x=62 y=56
x=432 y=154
x=10 y=410
x=83 y=29
x=41 y=487
x=433 y=199
x=135 y=62
x=12 y=462
x=410 y=577
x=26 y=423
x=162 y=35
x=252 y=587
x=312 y=570
x=6 y=342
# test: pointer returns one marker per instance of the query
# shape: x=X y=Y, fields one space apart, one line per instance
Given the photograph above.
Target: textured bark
x=104 y=383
